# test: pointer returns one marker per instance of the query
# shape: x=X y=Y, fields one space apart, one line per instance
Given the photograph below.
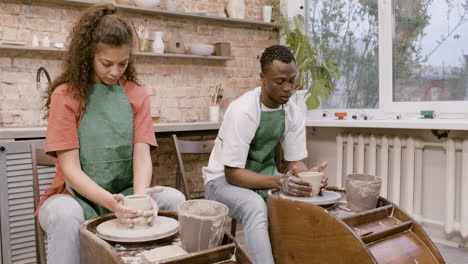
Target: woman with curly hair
x=100 y=130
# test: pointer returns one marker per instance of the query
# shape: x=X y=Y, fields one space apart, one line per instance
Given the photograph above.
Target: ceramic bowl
x=201 y=49
x=146 y=3
x=173 y=6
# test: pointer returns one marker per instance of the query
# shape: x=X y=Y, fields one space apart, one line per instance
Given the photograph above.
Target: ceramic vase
x=176 y=44
x=236 y=9
x=158 y=44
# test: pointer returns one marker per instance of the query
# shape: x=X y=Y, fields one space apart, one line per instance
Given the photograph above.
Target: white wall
x=322 y=147
x=292 y=7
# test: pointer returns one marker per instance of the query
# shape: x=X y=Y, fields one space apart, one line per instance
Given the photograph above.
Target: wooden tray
x=96 y=250
x=306 y=233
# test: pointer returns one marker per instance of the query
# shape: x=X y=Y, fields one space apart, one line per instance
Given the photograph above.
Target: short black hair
x=275 y=52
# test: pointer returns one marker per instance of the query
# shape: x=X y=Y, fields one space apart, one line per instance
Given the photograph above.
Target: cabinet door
x=16 y=201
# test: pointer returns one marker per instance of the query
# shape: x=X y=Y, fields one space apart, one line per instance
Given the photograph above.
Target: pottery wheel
x=162 y=227
x=328 y=197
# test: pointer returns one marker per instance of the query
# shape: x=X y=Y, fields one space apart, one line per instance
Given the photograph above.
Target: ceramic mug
x=139 y=202
x=314 y=178
x=214 y=113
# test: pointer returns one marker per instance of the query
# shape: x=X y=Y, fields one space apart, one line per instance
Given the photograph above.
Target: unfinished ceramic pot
x=139 y=202
x=201 y=224
x=362 y=191
x=314 y=178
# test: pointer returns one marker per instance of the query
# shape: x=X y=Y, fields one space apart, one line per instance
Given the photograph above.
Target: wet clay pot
x=362 y=191
x=201 y=224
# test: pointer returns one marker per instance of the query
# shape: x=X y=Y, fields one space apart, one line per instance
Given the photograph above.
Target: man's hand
x=320 y=167
x=292 y=185
x=324 y=183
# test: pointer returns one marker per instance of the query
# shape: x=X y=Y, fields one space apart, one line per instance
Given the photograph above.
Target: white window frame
x=386 y=103
x=386 y=39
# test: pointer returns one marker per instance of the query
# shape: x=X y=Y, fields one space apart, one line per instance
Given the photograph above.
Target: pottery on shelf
x=146 y=3
x=35 y=41
x=175 y=44
x=125 y=2
x=201 y=49
x=236 y=9
x=222 y=49
x=158 y=44
x=171 y=5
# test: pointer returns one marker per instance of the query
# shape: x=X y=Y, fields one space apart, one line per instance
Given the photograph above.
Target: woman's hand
x=126 y=216
x=152 y=214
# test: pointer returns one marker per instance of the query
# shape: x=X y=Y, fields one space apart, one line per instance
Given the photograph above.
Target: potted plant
x=313 y=68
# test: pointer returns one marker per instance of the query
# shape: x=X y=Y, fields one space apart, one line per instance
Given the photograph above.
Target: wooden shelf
x=29 y=48
x=162 y=12
x=188 y=56
x=139 y=54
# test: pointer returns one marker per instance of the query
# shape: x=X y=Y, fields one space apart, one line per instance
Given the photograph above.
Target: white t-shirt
x=240 y=123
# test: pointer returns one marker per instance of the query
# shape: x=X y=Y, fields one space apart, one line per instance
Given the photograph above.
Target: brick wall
x=179 y=88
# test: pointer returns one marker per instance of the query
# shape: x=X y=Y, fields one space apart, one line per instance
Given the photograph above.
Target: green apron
x=261 y=157
x=106 y=144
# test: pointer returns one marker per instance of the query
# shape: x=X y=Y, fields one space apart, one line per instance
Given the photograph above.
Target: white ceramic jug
x=158 y=44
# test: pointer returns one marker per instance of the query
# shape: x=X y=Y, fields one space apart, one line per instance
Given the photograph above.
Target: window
x=349 y=31
x=395 y=55
x=429 y=52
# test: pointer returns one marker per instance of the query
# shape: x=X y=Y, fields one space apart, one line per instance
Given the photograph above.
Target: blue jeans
x=61 y=217
x=248 y=208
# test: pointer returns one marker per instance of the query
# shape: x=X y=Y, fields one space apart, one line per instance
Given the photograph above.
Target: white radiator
x=382 y=155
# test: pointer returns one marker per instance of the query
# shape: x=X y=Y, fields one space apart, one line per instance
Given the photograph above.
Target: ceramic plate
x=163 y=227
x=328 y=197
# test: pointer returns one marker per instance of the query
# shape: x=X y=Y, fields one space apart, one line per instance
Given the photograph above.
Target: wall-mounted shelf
x=162 y=12
x=188 y=56
x=139 y=54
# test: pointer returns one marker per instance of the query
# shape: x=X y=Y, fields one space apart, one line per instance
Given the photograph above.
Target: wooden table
x=97 y=250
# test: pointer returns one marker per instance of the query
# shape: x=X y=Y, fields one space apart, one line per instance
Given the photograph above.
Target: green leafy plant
x=313 y=67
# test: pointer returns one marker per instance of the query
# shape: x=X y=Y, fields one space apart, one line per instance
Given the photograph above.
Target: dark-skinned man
x=242 y=169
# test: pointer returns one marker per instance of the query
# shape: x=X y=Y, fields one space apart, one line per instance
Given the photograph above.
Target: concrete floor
x=451 y=255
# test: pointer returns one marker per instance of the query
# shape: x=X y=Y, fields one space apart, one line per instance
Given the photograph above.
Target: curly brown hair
x=97 y=24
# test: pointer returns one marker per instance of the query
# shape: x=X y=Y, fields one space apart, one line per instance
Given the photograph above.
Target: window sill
x=445 y=124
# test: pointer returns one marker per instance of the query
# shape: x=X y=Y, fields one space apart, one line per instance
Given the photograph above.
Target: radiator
x=381 y=155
